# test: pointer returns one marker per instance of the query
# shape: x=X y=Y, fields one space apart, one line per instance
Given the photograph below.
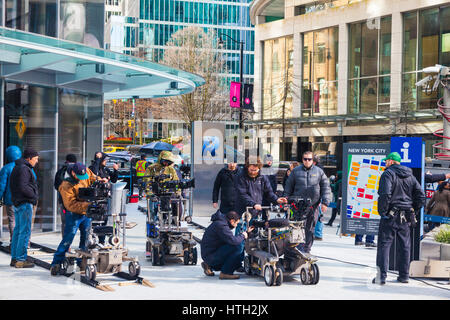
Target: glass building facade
x=51 y=120
x=157 y=20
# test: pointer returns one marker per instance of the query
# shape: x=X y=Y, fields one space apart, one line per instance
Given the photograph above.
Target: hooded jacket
x=69 y=193
x=13 y=153
x=216 y=235
x=157 y=169
x=253 y=191
x=309 y=183
x=226 y=183
x=399 y=188
x=103 y=172
x=23 y=183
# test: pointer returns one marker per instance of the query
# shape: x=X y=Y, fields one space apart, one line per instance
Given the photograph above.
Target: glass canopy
x=36 y=59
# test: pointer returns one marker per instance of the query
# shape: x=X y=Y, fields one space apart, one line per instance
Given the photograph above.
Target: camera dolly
x=100 y=257
x=271 y=249
x=166 y=208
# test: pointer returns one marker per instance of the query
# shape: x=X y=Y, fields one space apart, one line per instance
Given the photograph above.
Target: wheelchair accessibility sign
x=410 y=149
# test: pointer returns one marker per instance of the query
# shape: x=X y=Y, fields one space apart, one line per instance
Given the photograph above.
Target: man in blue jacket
x=13 y=153
x=221 y=250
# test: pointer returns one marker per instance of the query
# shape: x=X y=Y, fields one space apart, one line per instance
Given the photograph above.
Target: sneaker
x=402 y=280
x=24 y=264
x=54 y=270
x=379 y=281
x=207 y=270
x=318 y=238
x=224 y=276
x=359 y=243
x=371 y=245
x=13 y=263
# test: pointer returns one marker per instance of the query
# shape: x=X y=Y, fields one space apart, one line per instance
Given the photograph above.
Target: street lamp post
x=241 y=72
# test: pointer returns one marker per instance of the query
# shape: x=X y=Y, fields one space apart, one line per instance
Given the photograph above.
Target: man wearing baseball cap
x=79 y=177
x=400 y=197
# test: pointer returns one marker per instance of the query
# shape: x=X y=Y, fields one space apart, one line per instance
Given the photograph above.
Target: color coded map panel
x=363 y=178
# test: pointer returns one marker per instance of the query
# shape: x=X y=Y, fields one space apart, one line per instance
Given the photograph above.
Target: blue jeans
x=369 y=238
x=227 y=258
x=74 y=222
x=23 y=215
x=318 y=230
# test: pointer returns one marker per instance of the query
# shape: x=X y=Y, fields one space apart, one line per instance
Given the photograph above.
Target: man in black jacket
x=24 y=192
x=400 y=197
x=221 y=250
x=226 y=183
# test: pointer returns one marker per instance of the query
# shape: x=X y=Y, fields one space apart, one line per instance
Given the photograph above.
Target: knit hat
x=71 y=158
x=29 y=153
x=267 y=158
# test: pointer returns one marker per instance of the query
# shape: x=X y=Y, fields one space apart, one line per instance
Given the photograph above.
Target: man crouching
x=221 y=250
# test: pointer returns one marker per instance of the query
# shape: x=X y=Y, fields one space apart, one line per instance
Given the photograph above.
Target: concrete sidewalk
x=346 y=272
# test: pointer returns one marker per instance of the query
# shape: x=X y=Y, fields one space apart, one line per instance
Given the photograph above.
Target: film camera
x=97 y=194
x=300 y=208
x=161 y=187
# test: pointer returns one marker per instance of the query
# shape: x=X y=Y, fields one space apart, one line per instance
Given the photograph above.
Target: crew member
x=221 y=250
x=309 y=181
x=99 y=168
x=140 y=173
x=80 y=177
x=226 y=183
x=400 y=197
x=162 y=167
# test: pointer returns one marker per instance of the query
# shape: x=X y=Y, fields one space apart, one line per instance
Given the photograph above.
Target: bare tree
x=193 y=50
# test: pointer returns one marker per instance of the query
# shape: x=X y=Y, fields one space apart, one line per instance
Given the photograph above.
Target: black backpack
x=59 y=177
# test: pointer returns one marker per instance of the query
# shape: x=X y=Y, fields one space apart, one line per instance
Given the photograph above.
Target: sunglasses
x=307 y=159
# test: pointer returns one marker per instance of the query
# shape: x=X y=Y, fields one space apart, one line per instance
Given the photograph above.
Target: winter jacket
x=226 y=183
x=69 y=193
x=158 y=169
x=309 y=183
x=217 y=235
x=103 y=172
x=399 y=188
x=13 y=153
x=439 y=204
x=253 y=191
x=23 y=183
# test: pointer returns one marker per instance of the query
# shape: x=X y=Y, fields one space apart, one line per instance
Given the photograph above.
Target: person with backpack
x=60 y=175
x=13 y=153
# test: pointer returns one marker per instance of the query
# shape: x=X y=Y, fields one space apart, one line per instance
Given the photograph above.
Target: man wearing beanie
x=24 y=195
x=60 y=175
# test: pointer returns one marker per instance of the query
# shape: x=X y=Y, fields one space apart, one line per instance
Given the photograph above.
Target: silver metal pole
x=446 y=126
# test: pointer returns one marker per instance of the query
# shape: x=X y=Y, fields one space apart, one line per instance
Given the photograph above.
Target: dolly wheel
x=186 y=257
x=269 y=275
x=155 y=256
x=315 y=273
x=304 y=276
x=91 y=271
x=194 y=256
x=278 y=277
x=134 y=268
x=247 y=266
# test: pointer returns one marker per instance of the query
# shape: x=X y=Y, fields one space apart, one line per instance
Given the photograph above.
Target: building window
x=370 y=66
x=320 y=65
x=426 y=42
x=277 y=78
